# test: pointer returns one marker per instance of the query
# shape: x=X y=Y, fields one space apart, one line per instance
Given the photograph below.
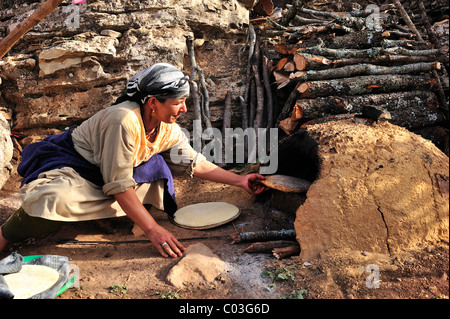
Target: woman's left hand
x=252 y=183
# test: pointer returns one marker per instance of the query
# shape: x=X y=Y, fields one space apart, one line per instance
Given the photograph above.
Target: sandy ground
x=421 y=274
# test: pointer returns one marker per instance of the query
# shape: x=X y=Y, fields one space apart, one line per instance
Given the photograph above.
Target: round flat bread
x=31 y=280
x=286 y=183
x=205 y=215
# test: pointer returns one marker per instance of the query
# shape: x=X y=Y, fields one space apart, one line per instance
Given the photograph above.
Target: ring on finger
x=163 y=244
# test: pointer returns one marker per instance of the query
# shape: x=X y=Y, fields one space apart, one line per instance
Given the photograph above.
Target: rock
x=199 y=264
x=6 y=151
x=378 y=188
x=48 y=75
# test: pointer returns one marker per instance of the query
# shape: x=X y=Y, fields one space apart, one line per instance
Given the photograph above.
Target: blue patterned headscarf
x=161 y=80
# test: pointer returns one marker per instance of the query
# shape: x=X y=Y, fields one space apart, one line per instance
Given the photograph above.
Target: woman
x=114 y=163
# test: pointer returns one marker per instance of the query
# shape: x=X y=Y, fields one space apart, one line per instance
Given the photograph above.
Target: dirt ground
x=141 y=272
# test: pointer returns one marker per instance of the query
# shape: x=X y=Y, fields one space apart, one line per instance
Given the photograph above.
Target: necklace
x=155 y=131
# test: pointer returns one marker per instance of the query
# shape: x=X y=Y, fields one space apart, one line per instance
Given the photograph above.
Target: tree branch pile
x=324 y=63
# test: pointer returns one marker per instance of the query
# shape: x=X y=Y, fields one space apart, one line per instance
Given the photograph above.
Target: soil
x=420 y=274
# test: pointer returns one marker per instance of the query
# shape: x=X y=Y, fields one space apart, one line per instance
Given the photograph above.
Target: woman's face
x=169 y=110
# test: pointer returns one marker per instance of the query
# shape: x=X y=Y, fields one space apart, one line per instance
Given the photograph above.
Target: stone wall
x=79 y=58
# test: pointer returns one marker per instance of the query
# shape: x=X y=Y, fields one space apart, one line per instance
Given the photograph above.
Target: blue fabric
x=57 y=151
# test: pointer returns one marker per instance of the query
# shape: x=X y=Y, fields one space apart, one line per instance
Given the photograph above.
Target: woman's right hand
x=165 y=242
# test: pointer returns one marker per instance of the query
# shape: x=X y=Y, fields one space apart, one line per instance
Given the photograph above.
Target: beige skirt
x=63 y=195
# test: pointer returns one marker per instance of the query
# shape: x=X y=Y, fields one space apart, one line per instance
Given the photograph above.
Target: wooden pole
x=37 y=16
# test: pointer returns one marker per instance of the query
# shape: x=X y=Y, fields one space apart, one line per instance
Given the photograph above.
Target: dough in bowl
x=31 y=280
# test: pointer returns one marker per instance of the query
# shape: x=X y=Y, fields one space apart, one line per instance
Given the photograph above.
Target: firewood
x=205 y=105
x=267 y=247
x=385 y=59
x=288 y=105
x=193 y=84
x=406 y=18
x=369 y=69
x=259 y=98
x=428 y=28
x=410 y=109
x=285 y=252
x=289 y=125
x=404 y=51
x=366 y=84
x=283 y=234
x=295 y=34
x=291 y=13
x=268 y=90
x=227 y=112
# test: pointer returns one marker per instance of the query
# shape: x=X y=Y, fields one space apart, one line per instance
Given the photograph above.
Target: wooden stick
x=284 y=252
x=385 y=59
x=259 y=98
x=366 y=85
x=193 y=84
x=292 y=12
x=37 y=16
x=263 y=235
x=264 y=247
x=268 y=90
x=206 y=112
x=407 y=20
x=369 y=69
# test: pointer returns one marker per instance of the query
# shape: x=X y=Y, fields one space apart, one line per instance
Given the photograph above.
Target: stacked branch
x=329 y=63
x=257 y=106
x=199 y=91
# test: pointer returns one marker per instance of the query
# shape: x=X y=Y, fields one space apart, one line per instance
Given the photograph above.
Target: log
x=227 y=113
x=290 y=124
x=292 y=12
x=268 y=90
x=285 y=252
x=410 y=109
x=259 y=95
x=288 y=105
x=37 y=16
x=205 y=105
x=404 y=51
x=300 y=32
x=406 y=18
x=192 y=79
x=428 y=28
x=366 y=85
x=385 y=59
x=226 y=124
x=285 y=234
x=267 y=247
x=369 y=69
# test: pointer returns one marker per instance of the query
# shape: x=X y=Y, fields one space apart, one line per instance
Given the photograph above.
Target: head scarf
x=161 y=80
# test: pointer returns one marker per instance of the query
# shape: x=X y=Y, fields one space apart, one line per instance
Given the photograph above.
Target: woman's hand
x=165 y=242
x=252 y=183
x=162 y=239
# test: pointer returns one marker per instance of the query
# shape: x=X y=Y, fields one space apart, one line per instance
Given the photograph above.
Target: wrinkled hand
x=165 y=242
x=252 y=183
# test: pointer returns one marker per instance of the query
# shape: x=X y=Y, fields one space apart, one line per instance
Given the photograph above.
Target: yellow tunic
x=115 y=140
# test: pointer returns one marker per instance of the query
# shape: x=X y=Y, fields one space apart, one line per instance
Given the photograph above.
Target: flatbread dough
x=286 y=183
x=205 y=214
x=31 y=280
